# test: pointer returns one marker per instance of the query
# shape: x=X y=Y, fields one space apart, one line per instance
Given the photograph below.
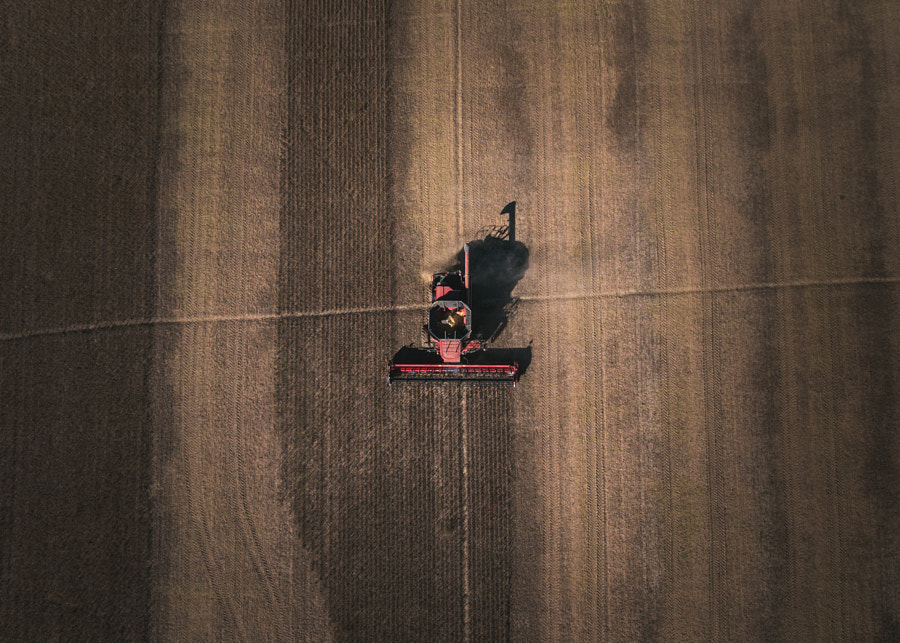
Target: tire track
x=717 y=507
x=597 y=623
x=710 y=362
x=460 y=234
x=241 y=448
x=666 y=423
x=199 y=517
x=466 y=531
x=665 y=281
x=544 y=417
x=839 y=617
x=788 y=353
x=457 y=114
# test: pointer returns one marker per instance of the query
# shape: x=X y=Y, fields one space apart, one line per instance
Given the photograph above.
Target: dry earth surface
x=216 y=217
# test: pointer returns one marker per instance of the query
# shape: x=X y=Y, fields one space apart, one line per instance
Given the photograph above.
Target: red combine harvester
x=449 y=341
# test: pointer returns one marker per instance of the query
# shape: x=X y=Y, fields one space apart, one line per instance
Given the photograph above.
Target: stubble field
x=218 y=218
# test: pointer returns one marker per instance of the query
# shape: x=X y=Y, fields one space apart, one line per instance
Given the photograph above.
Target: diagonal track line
x=374 y=310
x=205 y=319
x=689 y=290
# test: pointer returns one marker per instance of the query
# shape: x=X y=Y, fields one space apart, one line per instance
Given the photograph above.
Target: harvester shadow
x=497 y=262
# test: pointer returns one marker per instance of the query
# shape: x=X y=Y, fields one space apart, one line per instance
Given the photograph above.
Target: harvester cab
x=452 y=351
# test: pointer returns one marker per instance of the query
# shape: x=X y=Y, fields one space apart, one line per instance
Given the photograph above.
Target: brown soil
x=217 y=222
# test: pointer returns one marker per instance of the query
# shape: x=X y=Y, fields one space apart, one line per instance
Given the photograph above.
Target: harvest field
x=218 y=225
